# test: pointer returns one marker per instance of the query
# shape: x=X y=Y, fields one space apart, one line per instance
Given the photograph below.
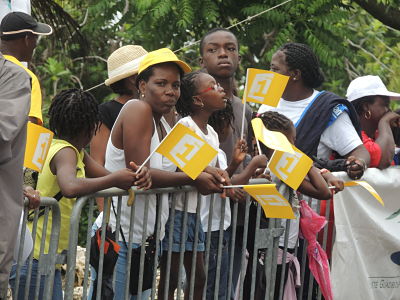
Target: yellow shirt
x=36 y=96
x=48 y=187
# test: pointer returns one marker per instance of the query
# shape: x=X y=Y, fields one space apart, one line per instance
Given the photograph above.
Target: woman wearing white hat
x=371 y=99
x=122 y=66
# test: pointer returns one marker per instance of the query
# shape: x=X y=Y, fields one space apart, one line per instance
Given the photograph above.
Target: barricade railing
x=33 y=278
x=250 y=240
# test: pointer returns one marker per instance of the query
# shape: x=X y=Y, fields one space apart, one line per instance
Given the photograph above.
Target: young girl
x=200 y=97
x=314 y=185
x=70 y=170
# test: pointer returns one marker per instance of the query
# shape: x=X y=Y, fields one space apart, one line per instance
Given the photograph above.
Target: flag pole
x=258 y=146
x=244 y=105
x=243 y=117
x=151 y=154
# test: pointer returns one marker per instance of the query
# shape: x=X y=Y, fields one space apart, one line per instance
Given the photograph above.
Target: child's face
x=220 y=54
x=210 y=93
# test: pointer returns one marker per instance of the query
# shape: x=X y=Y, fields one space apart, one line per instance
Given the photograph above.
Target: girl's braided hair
x=73 y=112
x=300 y=56
x=188 y=90
x=273 y=121
x=219 y=120
x=223 y=118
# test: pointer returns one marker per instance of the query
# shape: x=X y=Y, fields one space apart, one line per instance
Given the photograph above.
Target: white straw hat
x=368 y=86
x=124 y=62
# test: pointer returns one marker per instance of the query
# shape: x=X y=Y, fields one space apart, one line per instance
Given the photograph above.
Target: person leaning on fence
x=314 y=185
x=138 y=130
x=324 y=122
x=371 y=99
x=70 y=172
x=19 y=34
x=122 y=66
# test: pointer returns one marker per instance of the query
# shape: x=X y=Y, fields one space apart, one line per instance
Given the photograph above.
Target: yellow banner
x=272 y=139
x=264 y=87
x=290 y=168
x=272 y=202
x=368 y=187
x=37 y=145
x=187 y=150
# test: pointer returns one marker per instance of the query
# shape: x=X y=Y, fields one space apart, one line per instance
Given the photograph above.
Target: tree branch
x=389 y=16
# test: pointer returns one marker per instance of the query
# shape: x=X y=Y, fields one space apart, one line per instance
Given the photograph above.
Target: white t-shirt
x=219 y=161
x=340 y=136
x=211 y=138
x=115 y=160
x=216 y=213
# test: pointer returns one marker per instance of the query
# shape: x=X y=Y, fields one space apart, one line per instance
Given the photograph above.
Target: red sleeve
x=374 y=150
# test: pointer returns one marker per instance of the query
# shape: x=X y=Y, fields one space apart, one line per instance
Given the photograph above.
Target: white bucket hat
x=124 y=62
x=368 y=86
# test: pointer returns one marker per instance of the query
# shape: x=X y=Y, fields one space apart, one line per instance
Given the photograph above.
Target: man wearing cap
x=371 y=99
x=19 y=34
x=15 y=91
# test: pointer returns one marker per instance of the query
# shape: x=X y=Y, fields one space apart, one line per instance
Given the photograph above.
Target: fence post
x=73 y=242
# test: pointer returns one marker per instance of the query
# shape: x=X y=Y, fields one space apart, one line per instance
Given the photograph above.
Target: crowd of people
x=155 y=90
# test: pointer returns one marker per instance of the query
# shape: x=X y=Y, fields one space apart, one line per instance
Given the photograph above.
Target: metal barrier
x=258 y=238
x=46 y=264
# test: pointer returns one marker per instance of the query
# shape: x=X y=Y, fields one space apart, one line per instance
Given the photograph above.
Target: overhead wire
x=248 y=19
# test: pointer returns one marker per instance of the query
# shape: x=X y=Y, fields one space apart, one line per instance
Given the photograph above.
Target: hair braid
x=73 y=112
x=275 y=121
x=223 y=118
x=300 y=56
x=188 y=90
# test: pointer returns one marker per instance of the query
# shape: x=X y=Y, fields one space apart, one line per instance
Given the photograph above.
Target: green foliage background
x=348 y=41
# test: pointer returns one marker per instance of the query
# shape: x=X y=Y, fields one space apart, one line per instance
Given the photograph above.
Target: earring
x=142 y=95
x=367 y=115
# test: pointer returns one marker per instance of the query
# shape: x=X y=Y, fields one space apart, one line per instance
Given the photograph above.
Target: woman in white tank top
x=137 y=131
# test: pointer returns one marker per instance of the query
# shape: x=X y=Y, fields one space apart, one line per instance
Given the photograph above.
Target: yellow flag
x=272 y=139
x=187 y=150
x=264 y=87
x=272 y=202
x=368 y=187
x=37 y=145
x=290 y=168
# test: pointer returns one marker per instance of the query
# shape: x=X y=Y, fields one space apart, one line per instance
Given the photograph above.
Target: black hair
x=73 y=112
x=213 y=31
x=147 y=73
x=300 y=56
x=273 y=121
x=188 y=90
x=120 y=88
x=359 y=103
x=223 y=118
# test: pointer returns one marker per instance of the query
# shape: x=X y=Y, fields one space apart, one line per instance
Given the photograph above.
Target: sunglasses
x=216 y=87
